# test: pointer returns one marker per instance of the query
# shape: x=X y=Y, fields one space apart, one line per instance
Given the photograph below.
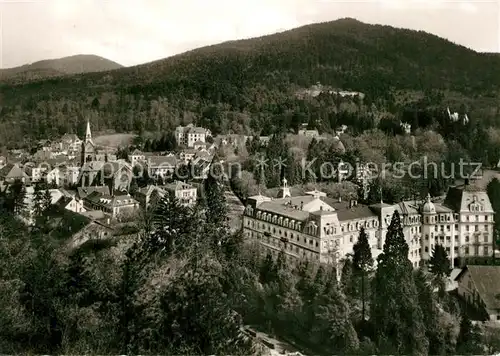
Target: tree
x=439 y=266
x=196 y=315
x=216 y=207
x=16 y=195
x=38 y=207
x=173 y=226
x=362 y=262
x=434 y=319
x=469 y=338
x=346 y=277
x=267 y=270
x=395 y=296
x=493 y=190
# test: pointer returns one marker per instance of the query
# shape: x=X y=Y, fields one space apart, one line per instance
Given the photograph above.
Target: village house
x=187 y=155
x=199 y=145
x=163 y=166
x=116 y=207
x=83 y=192
x=70 y=202
x=12 y=172
x=185 y=193
x=406 y=127
x=71 y=142
x=189 y=135
x=480 y=288
x=148 y=195
x=138 y=157
x=340 y=130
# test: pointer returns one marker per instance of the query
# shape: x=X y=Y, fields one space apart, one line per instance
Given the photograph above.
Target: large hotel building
x=316 y=227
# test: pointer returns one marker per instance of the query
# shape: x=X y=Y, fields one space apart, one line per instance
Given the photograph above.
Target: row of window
x=477 y=238
x=285 y=234
x=467 y=250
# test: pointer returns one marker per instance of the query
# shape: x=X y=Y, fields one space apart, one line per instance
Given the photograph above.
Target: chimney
x=340 y=199
x=301 y=205
x=321 y=208
x=108 y=221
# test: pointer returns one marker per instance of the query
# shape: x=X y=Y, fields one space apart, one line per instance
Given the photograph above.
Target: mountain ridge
x=253 y=80
x=63 y=66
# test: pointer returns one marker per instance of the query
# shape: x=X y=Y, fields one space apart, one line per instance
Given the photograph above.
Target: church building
x=88 y=148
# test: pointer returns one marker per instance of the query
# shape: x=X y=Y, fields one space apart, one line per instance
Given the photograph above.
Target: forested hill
x=57 y=67
x=256 y=77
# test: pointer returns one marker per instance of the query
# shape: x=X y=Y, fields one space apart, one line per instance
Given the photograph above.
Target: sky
x=132 y=32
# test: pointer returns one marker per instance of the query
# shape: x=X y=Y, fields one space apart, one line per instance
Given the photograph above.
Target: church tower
x=88 y=133
x=88 y=149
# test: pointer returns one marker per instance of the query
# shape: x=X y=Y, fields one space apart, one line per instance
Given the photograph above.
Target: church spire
x=88 y=133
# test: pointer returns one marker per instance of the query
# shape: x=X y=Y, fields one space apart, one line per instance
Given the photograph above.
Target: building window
x=426 y=249
x=486 y=252
x=476 y=228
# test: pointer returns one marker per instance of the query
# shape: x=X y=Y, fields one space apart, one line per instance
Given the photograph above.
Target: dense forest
x=244 y=86
x=186 y=285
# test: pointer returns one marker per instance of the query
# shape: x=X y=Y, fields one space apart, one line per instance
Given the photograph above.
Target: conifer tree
x=439 y=263
x=394 y=296
x=469 y=338
x=332 y=327
x=346 y=276
x=216 y=208
x=267 y=270
x=38 y=201
x=440 y=267
x=362 y=262
x=16 y=198
x=431 y=314
x=172 y=227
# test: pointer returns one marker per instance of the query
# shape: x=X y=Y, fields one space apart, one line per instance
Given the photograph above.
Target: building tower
x=284 y=190
x=88 y=133
x=428 y=233
x=88 y=149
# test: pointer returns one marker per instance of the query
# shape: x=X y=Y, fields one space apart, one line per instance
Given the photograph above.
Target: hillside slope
x=58 y=67
x=243 y=85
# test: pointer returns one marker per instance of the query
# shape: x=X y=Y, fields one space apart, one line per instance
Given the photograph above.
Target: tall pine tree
x=363 y=263
x=395 y=311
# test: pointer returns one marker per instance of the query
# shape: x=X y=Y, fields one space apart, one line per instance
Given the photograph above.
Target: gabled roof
x=110 y=201
x=177 y=185
x=83 y=192
x=11 y=170
x=166 y=161
x=70 y=137
x=458 y=198
x=486 y=280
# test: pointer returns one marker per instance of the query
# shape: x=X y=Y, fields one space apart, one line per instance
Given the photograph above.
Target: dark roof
x=83 y=192
x=344 y=212
x=453 y=198
x=487 y=282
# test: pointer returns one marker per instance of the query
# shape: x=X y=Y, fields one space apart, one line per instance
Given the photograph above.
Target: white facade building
x=316 y=227
x=189 y=135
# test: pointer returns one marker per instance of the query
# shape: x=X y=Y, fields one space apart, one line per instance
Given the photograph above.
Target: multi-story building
x=189 y=135
x=114 y=206
x=185 y=193
x=320 y=228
